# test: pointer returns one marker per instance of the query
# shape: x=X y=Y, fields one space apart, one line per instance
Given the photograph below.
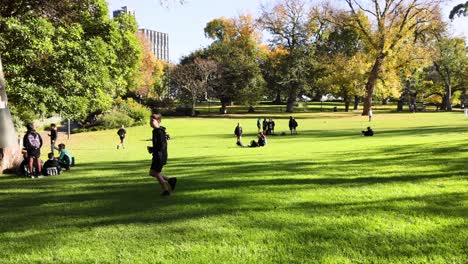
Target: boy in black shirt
x=159 y=151
x=121 y=132
x=53 y=137
x=51 y=166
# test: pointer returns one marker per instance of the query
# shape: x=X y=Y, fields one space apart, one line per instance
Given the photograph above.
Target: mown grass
x=326 y=195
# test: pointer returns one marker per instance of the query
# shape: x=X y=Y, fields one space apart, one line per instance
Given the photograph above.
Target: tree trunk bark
x=291 y=99
x=278 y=98
x=347 y=103
x=357 y=100
x=448 y=99
x=10 y=151
x=373 y=76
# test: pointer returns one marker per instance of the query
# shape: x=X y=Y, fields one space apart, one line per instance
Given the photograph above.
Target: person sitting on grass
x=260 y=143
x=368 y=133
x=51 y=166
x=65 y=159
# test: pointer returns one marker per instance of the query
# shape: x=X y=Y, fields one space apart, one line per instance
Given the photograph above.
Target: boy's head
x=53 y=126
x=155 y=120
x=61 y=146
x=30 y=126
x=50 y=155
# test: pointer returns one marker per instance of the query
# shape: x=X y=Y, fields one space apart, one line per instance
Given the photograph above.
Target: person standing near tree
x=259 y=123
x=32 y=142
x=370 y=114
x=159 y=152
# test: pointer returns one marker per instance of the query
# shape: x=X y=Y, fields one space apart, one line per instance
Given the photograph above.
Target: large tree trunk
x=10 y=151
x=373 y=76
x=291 y=98
x=448 y=98
x=357 y=101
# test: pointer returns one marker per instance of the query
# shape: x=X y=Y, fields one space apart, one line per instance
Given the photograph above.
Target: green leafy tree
x=236 y=48
x=293 y=27
x=450 y=59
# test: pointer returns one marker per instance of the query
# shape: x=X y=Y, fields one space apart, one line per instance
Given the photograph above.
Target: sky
x=185 y=23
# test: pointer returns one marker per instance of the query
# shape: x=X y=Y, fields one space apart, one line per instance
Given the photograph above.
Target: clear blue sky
x=185 y=24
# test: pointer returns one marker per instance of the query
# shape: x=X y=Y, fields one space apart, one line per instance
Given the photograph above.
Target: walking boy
x=159 y=151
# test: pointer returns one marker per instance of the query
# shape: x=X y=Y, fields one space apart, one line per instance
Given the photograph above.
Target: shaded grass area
x=323 y=196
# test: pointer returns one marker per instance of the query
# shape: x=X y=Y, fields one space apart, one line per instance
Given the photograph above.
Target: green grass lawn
x=326 y=195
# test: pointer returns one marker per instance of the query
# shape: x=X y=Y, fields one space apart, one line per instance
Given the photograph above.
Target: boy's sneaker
x=172 y=182
x=166 y=193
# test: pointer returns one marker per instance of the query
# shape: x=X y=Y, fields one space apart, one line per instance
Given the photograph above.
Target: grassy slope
x=326 y=195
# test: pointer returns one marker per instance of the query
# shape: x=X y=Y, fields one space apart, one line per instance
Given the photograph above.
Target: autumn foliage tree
x=387 y=26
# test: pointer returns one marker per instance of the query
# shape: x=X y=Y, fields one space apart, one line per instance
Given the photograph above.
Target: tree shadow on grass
x=119 y=193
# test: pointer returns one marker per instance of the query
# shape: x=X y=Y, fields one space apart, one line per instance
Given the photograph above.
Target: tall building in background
x=123 y=10
x=159 y=43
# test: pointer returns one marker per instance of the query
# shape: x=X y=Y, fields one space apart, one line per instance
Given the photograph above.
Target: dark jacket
x=50 y=164
x=238 y=131
x=160 y=145
x=53 y=134
x=292 y=123
x=26 y=141
x=121 y=132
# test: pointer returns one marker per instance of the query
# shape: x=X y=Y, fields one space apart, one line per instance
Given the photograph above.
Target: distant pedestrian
x=271 y=126
x=259 y=123
x=370 y=114
x=159 y=152
x=122 y=133
x=466 y=110
x=32 y=142
x=53 y=137
x=265 y=126
x=238 y=133
x=292 y=125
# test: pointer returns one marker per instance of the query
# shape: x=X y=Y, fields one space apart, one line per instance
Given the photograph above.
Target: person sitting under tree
x=65 y=159
x=51 y=166
x=32 y=142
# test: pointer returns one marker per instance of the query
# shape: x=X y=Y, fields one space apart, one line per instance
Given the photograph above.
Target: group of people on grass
x=260 y=142
x=32 y=165
x=267 y=127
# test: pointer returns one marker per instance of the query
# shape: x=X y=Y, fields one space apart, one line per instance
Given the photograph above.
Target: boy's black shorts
x=156 y=165
x=34 y=153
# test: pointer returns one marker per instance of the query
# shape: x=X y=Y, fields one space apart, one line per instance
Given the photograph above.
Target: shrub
x=115 y=120
x=134 y=110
